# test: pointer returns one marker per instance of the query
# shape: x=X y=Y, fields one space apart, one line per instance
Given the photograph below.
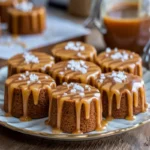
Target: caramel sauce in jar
x=125 y=29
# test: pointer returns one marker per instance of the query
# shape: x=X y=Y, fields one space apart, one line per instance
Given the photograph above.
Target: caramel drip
x=108 y=64
x=61 y=54
x=19 y=63
x=13 y=83
x=114 y=89
x=69 y=75
x=79 y=102
x=34 y=22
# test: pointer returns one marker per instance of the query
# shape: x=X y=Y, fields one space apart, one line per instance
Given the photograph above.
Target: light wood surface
x=137 y=139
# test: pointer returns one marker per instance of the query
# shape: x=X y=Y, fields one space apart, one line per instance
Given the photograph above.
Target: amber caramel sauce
x=125 y=29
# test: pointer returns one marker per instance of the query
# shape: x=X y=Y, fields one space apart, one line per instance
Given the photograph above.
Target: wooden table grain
x=137 y=139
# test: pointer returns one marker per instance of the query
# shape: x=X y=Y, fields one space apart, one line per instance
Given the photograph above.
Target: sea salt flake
x=82 y=94
x=61 y=73
x=115 y=49
x=116 y=79
x=46 y=77
x=65 y=83
x=19 y=78
x=24 y=6
x=108 y=50
x=28 y=82
x=131 y=56
x=23 y=76
x=39 y=81
x=33 y=78
x=29 y=58
x=77 y=66
x=75 y=46
x=136 y=86
x=97 y=94
x=65 y=94
x=27 y=73
x=73 y=90
x=79 y=54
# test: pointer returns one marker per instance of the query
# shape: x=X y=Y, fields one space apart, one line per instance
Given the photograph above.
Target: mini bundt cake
x=4 y=5
x=74 y=71
x=75 y=108
x=25 y=18
x=74 y=50
x=27 y=95
x=122 y=94
x=120 y=60
x=33 y=62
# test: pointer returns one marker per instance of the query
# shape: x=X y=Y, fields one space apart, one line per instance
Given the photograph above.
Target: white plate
x=38 y=128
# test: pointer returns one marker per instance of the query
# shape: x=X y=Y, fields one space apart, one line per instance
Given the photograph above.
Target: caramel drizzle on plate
x=113 y=88
x=13 y=83
x=19 y=63
x=108 y=64
x=79 y=101
x=88 y=54
x=92 y=72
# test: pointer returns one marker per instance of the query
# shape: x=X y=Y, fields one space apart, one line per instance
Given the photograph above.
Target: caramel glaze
x=74 y=76
x=111 y=88
x=13 y=83
x=31 y=22
x=3 y=10
x=79 y=101
x=17 y=64
x=60 y=54
x=107 y=64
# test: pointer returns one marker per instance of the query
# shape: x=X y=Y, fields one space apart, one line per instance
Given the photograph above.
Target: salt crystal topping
x=81 y=94
x=73 y=90
x=79 y=54
x=23 y=76
x=75 y=46
x=19 y=78
x=115 y=49
x=27 y=73
x=46 y=77
x=65 y=94
x=77 y=66
x=65 y=83
x=33 y=78
x=136 y=86
x=102 y=77
x=24 y=6
x=97 y=94
x=61 y=73
x=29 y=58
x=124 y=56
x=108 y=50
x=118 y=76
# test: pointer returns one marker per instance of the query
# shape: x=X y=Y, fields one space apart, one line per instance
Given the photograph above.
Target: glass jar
x=125 y=24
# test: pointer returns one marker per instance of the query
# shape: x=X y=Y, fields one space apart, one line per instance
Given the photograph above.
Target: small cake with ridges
x=4 y=5
x=32 y=62
x=74 y=50
x=74 y=71
x=75 y=108
x=25 y=18
x=120 y=60
x=27 y=95
x=123 y=95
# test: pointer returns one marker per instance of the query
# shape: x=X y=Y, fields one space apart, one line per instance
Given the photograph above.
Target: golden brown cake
x=74 y=71
x=74 y=50
x=25 y=18
x=123 y=95
x=35 y=61
x=120 y=60
x=27 y=95
x=4 y=5
x=75 y=108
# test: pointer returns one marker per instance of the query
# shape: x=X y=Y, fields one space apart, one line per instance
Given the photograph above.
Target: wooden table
x=137 y=139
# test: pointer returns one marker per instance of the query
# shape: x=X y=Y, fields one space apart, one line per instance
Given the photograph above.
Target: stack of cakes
x=78 y=90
